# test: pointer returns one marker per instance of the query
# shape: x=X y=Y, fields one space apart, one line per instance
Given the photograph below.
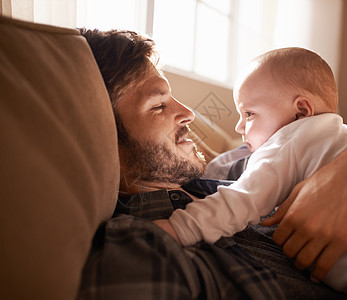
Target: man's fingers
x=325 y=261
x=308 y=254
x=274 y=219
x=283 y=233
x=294 y=244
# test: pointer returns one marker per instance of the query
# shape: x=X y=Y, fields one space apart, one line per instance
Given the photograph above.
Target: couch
x=59 y=169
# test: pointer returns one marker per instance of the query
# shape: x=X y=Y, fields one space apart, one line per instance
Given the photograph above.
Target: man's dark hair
x=124 y=57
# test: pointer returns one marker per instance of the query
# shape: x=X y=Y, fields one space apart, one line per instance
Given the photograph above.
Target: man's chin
x=152 y=162
x=186 y=149
x=187 y=166
x=189 y=151
x=197 y=162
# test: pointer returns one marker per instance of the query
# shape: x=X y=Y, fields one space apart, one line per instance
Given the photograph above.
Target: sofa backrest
x=59 y=168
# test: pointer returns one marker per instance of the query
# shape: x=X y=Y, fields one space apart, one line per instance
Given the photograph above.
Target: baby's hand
x=165 y=225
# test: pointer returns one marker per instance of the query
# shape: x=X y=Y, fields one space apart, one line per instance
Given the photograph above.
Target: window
x=195 y=35
x=211 y=38
x=191 y=35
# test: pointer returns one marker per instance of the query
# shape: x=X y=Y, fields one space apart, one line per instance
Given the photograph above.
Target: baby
x=287 y=102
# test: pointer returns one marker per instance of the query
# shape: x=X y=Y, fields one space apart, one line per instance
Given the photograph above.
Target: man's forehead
x=156 y=85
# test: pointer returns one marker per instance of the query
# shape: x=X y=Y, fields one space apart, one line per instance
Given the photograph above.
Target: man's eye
x=162 y=106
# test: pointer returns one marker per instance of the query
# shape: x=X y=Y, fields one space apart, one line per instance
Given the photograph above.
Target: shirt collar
x=153 y=205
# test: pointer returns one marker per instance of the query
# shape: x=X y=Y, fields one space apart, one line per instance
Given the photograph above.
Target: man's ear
x=304 y=107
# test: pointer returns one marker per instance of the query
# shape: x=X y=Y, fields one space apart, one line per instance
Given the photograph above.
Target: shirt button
x=175 y=196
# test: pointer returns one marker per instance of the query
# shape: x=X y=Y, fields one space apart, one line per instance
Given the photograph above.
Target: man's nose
x=184 y=115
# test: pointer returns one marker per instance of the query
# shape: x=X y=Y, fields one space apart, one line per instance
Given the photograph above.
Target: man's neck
x=139 y=186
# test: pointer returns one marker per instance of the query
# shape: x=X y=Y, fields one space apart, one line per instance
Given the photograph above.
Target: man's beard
x=150 y=162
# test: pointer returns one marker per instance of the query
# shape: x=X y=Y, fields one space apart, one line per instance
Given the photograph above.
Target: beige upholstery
x=59 y=169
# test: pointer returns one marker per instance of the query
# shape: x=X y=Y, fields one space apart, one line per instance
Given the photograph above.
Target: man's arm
x=313 y=219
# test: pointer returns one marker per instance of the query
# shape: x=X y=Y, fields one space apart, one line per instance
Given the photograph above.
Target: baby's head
x=279 y=87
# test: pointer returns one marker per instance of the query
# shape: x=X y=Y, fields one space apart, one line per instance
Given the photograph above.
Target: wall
x=342 y=78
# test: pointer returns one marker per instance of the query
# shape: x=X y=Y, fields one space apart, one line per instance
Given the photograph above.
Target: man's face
x=156 y=147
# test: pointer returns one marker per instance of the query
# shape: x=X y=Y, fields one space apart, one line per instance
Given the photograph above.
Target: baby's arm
x=233 y=207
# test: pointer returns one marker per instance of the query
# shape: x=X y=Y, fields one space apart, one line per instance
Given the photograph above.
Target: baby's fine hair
x=302 y=69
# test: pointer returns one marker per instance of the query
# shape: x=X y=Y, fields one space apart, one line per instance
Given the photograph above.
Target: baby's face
x=264 y=106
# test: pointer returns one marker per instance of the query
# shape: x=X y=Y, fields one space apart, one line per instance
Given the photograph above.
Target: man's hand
x=165 y=225
x=313 y=219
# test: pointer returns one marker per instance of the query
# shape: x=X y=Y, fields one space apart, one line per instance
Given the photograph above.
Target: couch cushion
x=59 y=168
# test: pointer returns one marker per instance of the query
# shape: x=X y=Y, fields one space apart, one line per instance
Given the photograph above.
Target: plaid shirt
x=132 y=258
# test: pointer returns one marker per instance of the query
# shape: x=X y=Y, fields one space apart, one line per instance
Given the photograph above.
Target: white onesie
x=292 y=154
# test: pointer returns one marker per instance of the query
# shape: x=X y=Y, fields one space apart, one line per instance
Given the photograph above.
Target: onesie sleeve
x=259 y=189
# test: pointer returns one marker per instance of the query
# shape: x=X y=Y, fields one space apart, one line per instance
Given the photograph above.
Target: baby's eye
x=249 y=114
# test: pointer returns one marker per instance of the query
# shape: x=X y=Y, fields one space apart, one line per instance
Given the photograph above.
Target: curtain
x=52 y=12
x=5 y=7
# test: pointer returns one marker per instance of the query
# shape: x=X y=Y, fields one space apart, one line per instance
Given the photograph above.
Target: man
x=131 y=258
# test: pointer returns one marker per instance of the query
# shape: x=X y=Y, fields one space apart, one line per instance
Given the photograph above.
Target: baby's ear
x=304 y=107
